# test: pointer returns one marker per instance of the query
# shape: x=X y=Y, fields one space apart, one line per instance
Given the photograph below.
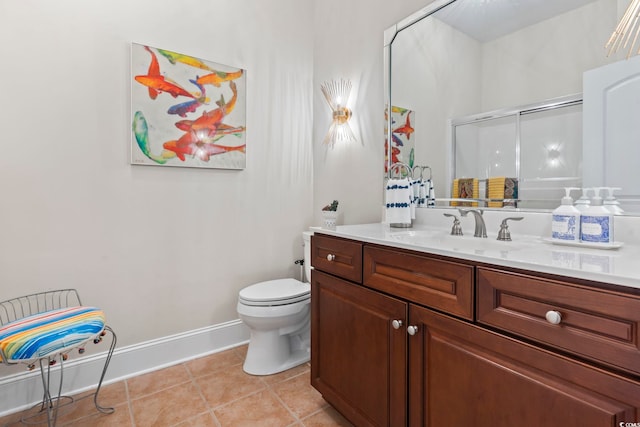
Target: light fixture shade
x=337 y=94
x=627 y=31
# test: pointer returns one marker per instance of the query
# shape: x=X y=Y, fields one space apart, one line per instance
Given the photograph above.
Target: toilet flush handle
x=331 y=257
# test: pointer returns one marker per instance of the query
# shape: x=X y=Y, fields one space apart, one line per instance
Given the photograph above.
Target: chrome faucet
x=481 y=228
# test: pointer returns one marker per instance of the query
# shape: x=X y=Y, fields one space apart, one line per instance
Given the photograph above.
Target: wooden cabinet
x=358 y=360
x=340 y=257
x=422 y=340
x=596 y=324
x=463 y=375
x=432 y=282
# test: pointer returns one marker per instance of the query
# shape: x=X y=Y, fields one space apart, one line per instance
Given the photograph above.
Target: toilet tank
x=306 y=237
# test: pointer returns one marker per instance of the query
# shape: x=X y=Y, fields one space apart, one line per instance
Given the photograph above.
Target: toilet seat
x=275 y=292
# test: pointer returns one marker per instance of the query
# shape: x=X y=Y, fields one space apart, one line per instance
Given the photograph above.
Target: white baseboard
x=23 y=390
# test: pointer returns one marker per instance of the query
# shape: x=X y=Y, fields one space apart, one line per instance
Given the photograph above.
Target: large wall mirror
x=488 y=90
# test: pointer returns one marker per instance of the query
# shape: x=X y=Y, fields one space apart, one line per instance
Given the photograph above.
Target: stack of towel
x=495 y=190
x=400 y=206
x=499 y=188
x=431 y=193
x=465 y=188
x=423 y=193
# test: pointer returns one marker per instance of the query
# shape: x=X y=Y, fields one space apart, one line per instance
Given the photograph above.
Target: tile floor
x=210 y=391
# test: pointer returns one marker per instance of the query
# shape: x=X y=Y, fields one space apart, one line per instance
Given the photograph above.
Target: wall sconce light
x=337 y=95
x=626 y=31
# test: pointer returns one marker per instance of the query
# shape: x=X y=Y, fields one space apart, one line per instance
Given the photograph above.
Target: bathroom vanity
x=417 y=328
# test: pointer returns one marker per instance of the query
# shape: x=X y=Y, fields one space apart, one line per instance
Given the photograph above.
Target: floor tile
x=110 y=396
x=153 y=382
x=289 y=373
x=213 y=363
x=259 y=409
x=211 y=391
x=326 y=417
x=168 y=407
x=203 y=420
x=228 y=385
x=298 y=395
x=121 y=417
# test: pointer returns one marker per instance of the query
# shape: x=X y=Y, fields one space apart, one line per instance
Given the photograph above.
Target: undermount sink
x=444 y=240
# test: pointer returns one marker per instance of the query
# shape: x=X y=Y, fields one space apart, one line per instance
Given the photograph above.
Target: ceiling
x=485 y=20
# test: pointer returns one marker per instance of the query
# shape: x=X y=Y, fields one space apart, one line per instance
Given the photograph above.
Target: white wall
x=557 y=52
x=349 y=44
x=165 y=250
x=161 y=250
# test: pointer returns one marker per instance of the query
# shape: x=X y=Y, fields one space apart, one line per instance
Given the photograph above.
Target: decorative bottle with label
x=596 y=222
x=565 y=222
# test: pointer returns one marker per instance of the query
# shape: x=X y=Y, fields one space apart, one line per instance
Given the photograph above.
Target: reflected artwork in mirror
x=497 y=90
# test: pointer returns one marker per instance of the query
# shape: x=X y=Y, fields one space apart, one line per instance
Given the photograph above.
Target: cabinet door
x=358 y=359
x=461 y=375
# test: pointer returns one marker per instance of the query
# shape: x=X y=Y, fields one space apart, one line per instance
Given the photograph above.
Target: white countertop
x=619 y=266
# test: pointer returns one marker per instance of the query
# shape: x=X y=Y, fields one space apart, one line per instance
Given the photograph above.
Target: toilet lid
x=275 y=292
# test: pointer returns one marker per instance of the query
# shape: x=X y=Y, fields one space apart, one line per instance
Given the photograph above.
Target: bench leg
x=51 y=404
x=114 y=339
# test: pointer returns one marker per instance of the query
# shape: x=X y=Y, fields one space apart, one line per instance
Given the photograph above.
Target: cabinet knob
x=331 y=257
x=412 y=330
x=396 y=324
x=554 y=317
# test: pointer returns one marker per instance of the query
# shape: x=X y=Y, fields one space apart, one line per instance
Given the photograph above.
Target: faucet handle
x=504 y=233
x=456 y=229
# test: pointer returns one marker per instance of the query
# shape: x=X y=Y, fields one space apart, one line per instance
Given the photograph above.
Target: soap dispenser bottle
x=596 y=222
x=583 y=202
x=610 y=202
x=565 y=222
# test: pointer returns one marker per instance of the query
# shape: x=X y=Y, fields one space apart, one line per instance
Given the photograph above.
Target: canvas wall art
x=402 y=143
x=186 y=111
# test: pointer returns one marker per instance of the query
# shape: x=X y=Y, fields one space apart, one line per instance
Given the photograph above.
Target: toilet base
x=270 y=353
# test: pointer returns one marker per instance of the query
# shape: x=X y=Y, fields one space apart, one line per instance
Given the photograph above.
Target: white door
x=611 y=129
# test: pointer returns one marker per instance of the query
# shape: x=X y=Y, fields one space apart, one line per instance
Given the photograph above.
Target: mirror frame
x=389 y=35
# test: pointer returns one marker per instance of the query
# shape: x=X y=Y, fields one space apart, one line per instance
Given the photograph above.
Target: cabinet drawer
x=596 y=324
x=440 y=284
x=340 y=257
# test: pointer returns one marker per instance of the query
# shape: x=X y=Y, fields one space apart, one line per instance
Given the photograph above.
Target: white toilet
x=278 y=313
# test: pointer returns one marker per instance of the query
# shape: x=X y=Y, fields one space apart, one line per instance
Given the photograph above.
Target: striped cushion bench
x=46 y=334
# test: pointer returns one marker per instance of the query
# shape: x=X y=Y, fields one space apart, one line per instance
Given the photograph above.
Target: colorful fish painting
x=174 y=57
x=402 y=145
x=193 y=131
x=153 y=71
x=141 y=132
x=190 y=106
x=218 y=77
x=407 y=130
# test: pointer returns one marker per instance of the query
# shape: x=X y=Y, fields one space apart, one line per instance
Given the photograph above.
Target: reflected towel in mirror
x=465 y=188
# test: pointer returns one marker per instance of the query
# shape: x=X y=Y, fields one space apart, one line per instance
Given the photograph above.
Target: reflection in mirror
x=492 y=148
x=456 y=59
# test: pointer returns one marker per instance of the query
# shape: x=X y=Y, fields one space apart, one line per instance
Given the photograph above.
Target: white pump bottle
x=610 y=202
x=583 y=202
x=565 y=223
x=596 y=222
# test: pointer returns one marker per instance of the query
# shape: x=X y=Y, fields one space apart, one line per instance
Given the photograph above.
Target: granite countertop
x=617 y=265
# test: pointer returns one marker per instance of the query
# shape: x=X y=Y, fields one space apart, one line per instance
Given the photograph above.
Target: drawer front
x=340 y=257
x=596 y=324
x=435 y=283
